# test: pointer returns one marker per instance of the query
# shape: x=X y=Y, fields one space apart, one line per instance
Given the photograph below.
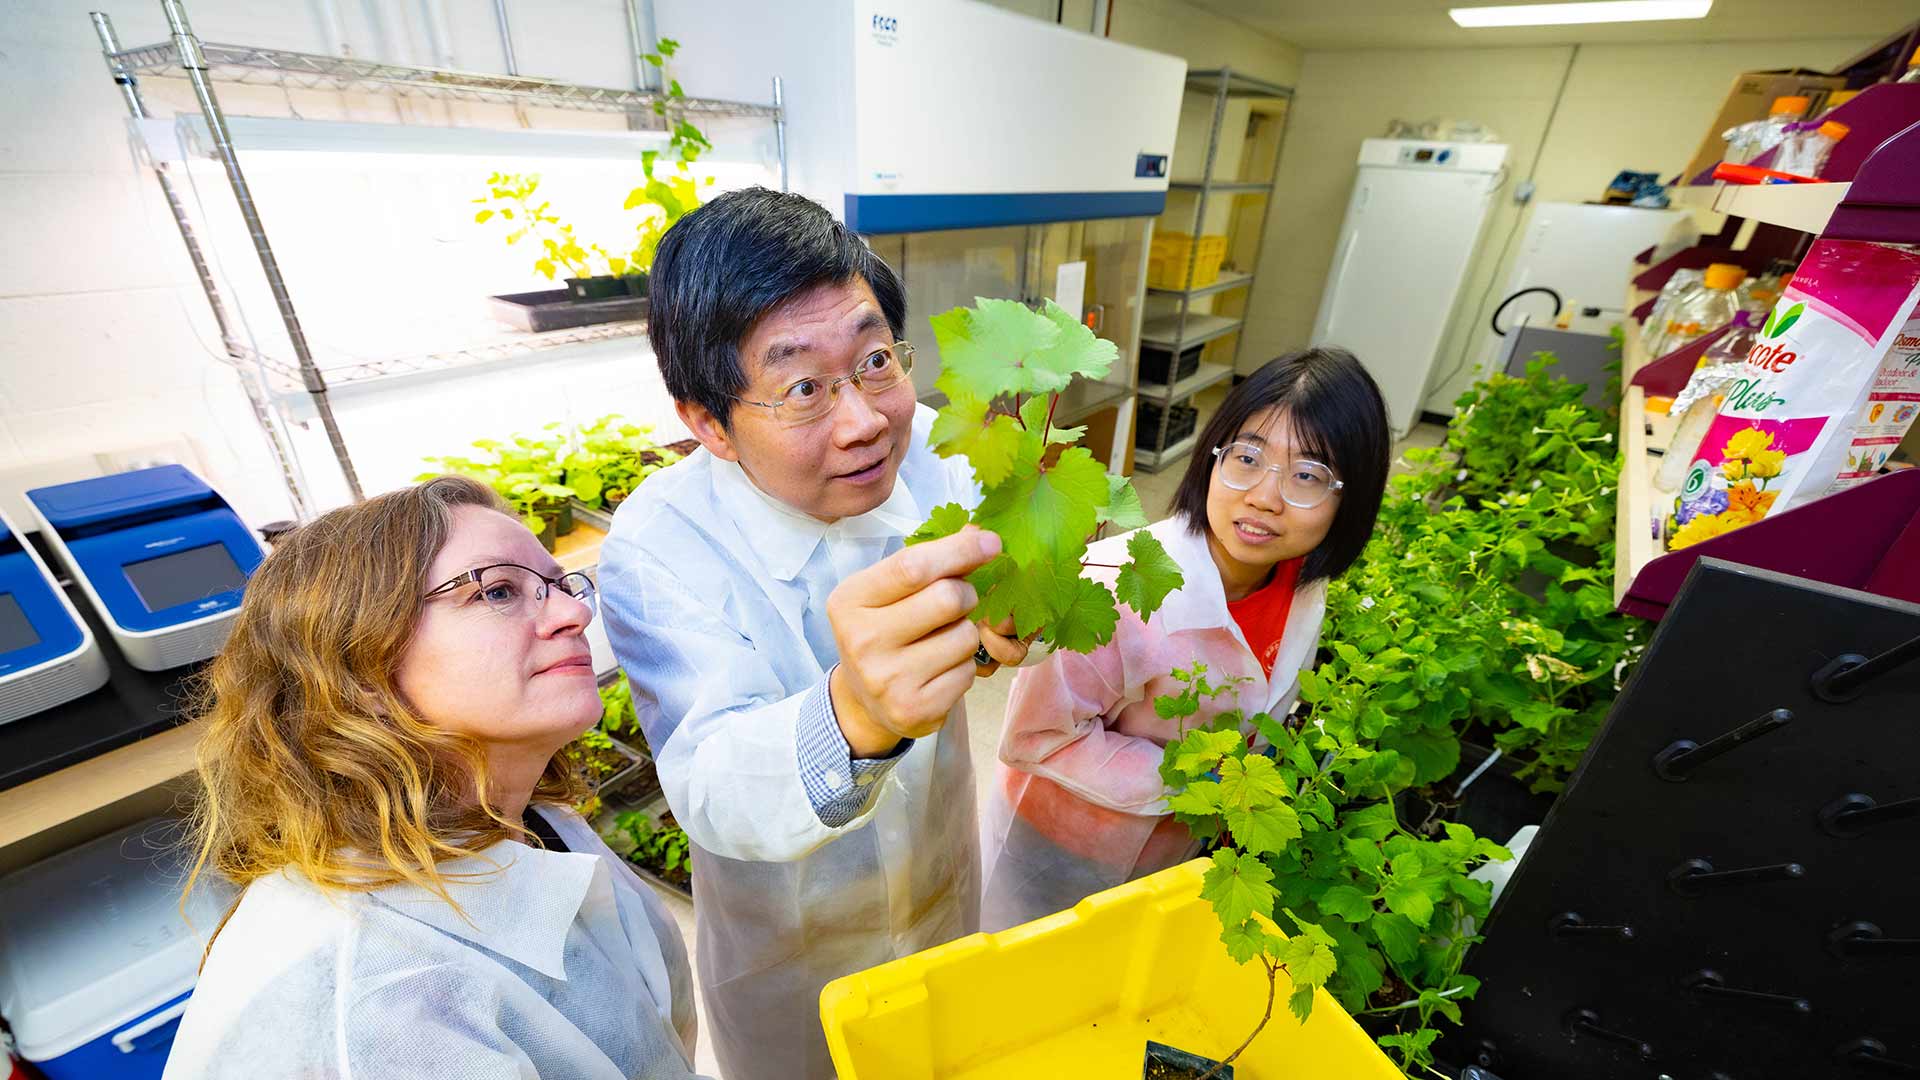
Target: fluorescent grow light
x=362 y=142
x=1605 y=11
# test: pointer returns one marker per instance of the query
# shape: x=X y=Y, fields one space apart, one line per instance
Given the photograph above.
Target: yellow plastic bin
x=1168 y=255
x=1078 y=994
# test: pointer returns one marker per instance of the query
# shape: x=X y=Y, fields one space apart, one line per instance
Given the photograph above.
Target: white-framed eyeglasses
x=809 y=399
x=1304 y=482
x=519 y=592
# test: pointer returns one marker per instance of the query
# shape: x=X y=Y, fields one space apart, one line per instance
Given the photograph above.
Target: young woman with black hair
x=1279 y=499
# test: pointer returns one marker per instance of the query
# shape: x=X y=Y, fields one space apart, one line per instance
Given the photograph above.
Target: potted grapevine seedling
x=1003 y=367
x=1307 y=832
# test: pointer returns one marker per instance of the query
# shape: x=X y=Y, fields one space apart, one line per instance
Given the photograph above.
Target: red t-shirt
x=1262 y=614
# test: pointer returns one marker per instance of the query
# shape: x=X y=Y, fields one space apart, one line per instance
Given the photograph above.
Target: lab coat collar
x=1200 y=603
x=785 y=538
x=519 y=902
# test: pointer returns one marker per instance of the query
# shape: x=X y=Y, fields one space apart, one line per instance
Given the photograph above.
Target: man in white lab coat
x=798 y=673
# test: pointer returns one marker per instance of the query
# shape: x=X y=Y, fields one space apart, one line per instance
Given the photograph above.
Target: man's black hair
x=726 y=264
x=1336 y=415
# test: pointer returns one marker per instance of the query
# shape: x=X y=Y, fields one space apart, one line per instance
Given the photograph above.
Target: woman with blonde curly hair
x=382 y=775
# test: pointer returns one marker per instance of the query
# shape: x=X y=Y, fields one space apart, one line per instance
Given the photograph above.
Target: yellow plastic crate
x=1167 y=260
x=1078 y=994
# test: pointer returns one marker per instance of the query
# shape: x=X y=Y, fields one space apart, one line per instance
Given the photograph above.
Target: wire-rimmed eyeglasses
x=1304 y=482
x=809 y=399
x=519 y=591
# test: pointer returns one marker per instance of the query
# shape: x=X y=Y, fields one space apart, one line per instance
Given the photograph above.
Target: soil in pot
x=598 y=287
x=1164 y=1062
x=562 y=519
x=1497 y=804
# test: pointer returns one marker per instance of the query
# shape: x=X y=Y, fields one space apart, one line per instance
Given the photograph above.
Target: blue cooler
x=96 y=962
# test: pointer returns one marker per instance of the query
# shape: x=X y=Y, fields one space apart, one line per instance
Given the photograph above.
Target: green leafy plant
x=1306 y=829
x=1484 y=602
x=1003 y=367
x=510 y=197
x=665 y=200
x=661 y=845
x=606 y=459
x=600 y=463
x=618 y=718
x=662 y=200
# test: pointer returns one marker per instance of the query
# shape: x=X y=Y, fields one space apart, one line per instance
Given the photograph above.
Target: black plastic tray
x=552 y=309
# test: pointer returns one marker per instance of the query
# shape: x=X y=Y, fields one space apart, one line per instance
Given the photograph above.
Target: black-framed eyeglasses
x=1304 y=482
x=811 y=398
x=519 y=591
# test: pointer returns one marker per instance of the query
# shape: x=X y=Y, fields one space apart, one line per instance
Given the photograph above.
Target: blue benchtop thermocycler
x=161 y=556
x=47 y=654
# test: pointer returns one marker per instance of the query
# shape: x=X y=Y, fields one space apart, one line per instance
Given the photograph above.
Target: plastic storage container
x=1748 y=141
x=1677 y=287
x=1180 y=424
x=1078 y=994
x=1805 y=149
x=1167 y=260
x=96 y=962
x=1700 y=313
x=1154 y=362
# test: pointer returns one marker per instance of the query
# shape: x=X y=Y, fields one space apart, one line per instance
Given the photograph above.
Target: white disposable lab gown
x=715 y=598
x=566 y=965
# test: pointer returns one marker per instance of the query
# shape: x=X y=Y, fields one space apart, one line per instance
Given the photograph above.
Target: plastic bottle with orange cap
x=1703 y=311
x=1748 y=141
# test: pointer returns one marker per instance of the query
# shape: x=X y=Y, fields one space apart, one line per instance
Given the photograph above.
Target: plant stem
x=1102 y=565
x=1046 y=428
x=1273 y=971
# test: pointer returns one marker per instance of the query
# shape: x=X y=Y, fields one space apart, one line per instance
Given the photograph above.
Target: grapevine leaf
x=1434 y=755
x=1086 y=621
x=987 y=350
x=1348 y=903
x=986 y=581
x=1046 y=516
x=1237 y=886
x=1200 y=750
x=1175 y=706
x=1300 y=1003
x=1413 y=1045
x=1148 y=576
x=1033 y=415
x=1077 y=351
x=1246 y=940
x=1397 y=936
x=1034 y=596
x=1411 y=900
x=1201 y=798
x=1123 y=509
x=1309 y=961
x=1250 y=794
x=946 y=520
x=991 y=443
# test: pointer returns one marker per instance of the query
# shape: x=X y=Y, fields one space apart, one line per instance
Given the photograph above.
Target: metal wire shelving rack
x=1186 y=328
x=311 y=373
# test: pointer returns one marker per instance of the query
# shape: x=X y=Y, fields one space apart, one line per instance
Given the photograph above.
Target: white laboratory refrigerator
x=1412 y=225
